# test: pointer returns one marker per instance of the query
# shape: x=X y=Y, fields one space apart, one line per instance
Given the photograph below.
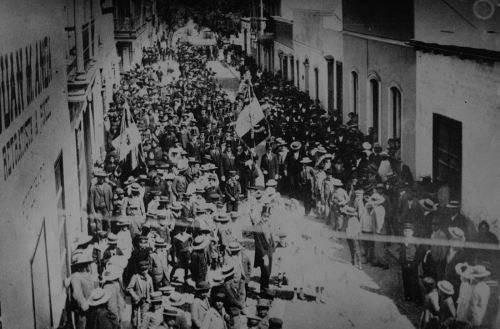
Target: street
x=368 y=298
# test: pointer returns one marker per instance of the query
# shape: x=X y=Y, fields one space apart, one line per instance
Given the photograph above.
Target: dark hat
x=143 y=265
x=219 y=295
x=170 y=312
x=275 y=323
x=202 y=286
x=408 y=226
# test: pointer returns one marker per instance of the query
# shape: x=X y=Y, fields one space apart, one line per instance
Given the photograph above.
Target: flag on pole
x=251 y=125
x=129 y=138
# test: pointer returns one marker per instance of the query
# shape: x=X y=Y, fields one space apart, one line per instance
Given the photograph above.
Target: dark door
x=339 y=86
x=447 y=153
x=330 y=85
x=375 y=90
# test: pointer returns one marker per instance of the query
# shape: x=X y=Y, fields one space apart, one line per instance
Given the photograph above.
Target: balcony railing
x=128 y=24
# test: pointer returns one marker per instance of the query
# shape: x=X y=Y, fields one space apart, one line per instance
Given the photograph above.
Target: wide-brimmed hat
x=112 y=239
x=112 y=273
x=294 y=146
x=135 y=187
x=161 y=243
x=275 y=323
x=100 y=173
x=377 y=199
x=176 y=206
x=476 y=272
x=170 y=312
x=446 y=287
x=428 y=204
x=222 y=218
x=202 y=286
x=156 y=297
x=408 y=226
x=227 y=271
x=130 y=180
x=461 y=268
x=349 y=211
x=200 y=242
x=253 y=320
x=79 y=257
x=305 y=160
x=263 y=303
x=453 y=204
x=337 y=182
x=217 y=279
x=176 y=299
x=234 y=246
x=272 y=183
x=98 y=296
x=82 y=239
x=169 y=176
x=456 y=233
x=366 y=146
x=166 y=290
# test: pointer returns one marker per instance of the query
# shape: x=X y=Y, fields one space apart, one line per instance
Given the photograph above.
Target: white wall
x=468 y=92
x=28 y=194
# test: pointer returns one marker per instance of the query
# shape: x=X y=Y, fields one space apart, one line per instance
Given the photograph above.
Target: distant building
x=457 y=86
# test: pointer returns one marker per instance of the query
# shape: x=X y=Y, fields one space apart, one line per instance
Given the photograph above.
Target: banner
x=251 y=125
x=128 y=140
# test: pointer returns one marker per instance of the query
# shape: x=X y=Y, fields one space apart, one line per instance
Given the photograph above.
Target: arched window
x=354 y=91
x=374 y=90
x=396 y=111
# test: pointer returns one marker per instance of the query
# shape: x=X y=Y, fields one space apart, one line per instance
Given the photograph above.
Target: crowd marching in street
x=171 y=218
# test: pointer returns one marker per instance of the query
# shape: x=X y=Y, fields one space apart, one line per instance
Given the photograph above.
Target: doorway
x=447 y=153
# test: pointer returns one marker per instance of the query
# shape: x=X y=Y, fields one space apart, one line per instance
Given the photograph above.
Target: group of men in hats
x=172 y=225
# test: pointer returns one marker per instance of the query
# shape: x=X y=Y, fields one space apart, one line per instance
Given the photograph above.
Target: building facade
x=458 y=118
x=134 y=24
x=39 y=195
x=380 y=71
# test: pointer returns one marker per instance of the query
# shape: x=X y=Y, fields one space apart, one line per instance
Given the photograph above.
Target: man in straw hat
x=199 y=261
x=480 y=294
x=99 y=316
x=140 y=288
x=201 y=304
x=111 y=278
x=82 y=283
x=455 y=255
x=306 y=184
x=409 y=260
x=235 y=295
x=154 y=317
x=160 y=269
x=232 y=192
x=100 y=201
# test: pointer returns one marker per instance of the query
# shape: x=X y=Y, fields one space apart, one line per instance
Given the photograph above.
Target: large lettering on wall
x=24 y=74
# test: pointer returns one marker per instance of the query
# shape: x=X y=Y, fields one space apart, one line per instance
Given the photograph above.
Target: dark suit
x=228 y=164
x=293 y=166
x=264 y=246
x=269 y=165
x=235 y=297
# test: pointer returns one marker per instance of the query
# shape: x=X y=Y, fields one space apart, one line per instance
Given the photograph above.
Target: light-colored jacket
x=214 y=320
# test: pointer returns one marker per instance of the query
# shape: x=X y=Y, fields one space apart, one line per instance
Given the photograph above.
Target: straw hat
x=98 y=297
x=476 y=272
x=227 y=271
x=454 y=204
x=111 y=273
x=176 y=299
x=366 y=146
x=167 y=290
x=170 y=312
x=100 y=173
x=446 y=287
x=305 y=160
x=217 y=279
x=294 y=146
x=272 y=183
x=456 y=233
x=428 y=204
x=200 y=242
x=156 y=297
x=81 y=257
x=350 y=211
x=337 y=182
x=234 y=246
x=222 y=218
x=130 y=180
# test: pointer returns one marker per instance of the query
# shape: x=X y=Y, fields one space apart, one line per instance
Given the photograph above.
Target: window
x=375 y=106
x=396 y=112
x=292 y=70
x=330 y=76
x=339 y=86
x=86 y=43
x=354 y=91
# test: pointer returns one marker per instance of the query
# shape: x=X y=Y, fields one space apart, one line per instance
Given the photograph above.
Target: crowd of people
x=170 y=222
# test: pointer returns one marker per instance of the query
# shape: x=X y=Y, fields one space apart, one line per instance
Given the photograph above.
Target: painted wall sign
x=24 y=74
